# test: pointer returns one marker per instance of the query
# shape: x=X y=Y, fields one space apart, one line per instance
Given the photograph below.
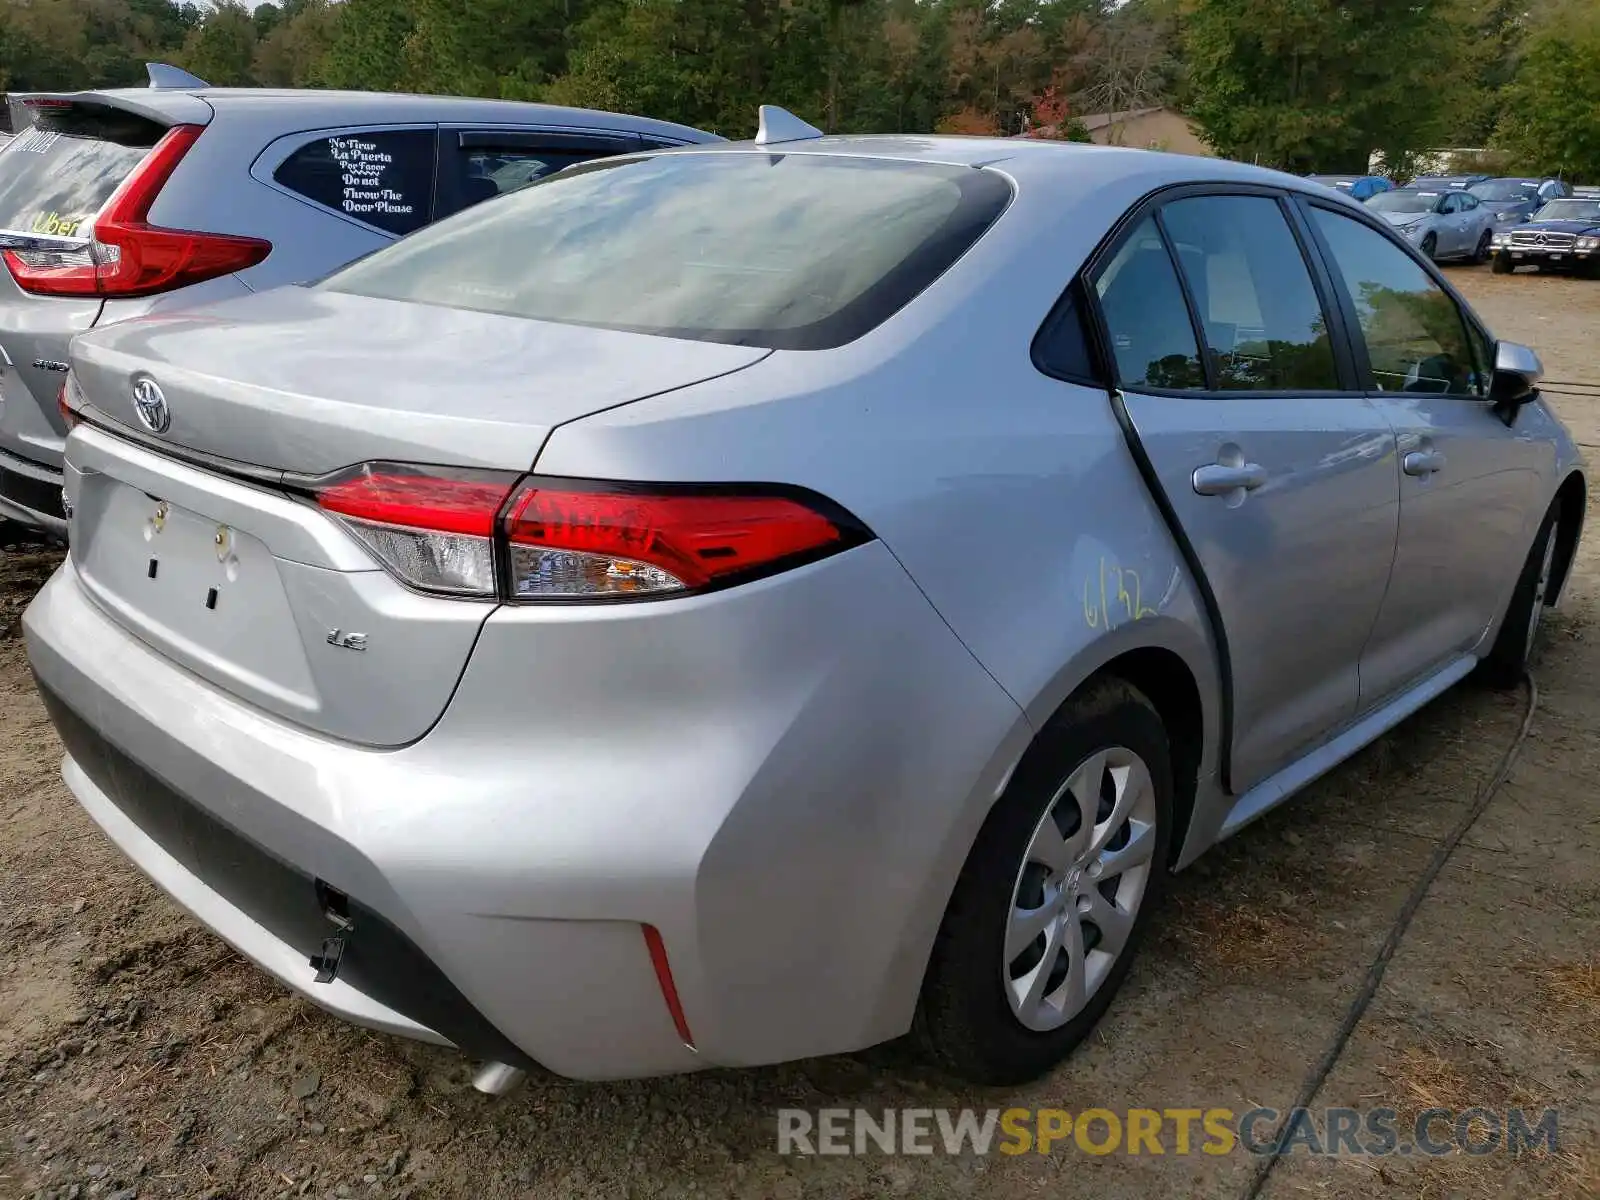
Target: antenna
x=781 y=125
x=164 y=76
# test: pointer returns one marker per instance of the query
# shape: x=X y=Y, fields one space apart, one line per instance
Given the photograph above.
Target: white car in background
x=1442 y=223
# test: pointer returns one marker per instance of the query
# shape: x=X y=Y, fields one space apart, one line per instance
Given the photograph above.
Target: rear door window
x=1147 y=318
x=61 y=171
x=480 y=164
x=383 y=177
x=1262 y=318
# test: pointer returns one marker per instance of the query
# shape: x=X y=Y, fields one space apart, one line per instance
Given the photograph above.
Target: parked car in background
x=1515 y=200
x=1564 y=235
x=1587 y=193
x=745 y=603
x=1442 y=223
x=1357 y=187
x=1446 y=182
x=117 y=203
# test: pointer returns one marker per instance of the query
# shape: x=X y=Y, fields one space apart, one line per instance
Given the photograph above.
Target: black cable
x=1397 y=931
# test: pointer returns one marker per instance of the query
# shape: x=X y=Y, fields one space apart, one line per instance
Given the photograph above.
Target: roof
x=375 y=106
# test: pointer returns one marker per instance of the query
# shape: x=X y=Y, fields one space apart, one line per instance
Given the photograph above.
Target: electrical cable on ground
x=1397 y=931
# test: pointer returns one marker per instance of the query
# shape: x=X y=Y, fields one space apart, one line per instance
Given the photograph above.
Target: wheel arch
x=1572 y=499
x=1167 y=682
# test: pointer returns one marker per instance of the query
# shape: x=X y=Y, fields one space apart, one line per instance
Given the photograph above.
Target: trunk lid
x=308 y=381
x=264 y=594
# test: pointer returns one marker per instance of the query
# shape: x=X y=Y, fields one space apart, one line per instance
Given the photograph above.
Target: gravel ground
x=140 y=1057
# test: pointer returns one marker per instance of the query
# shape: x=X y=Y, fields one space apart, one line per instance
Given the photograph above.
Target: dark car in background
x=1513 y=199
x=1564 y=235
x=1447 y=182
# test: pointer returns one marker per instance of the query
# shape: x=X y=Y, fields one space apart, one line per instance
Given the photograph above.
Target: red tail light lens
x=69 y=417
x=571 y=543
x=127 y=255
x=456 y=532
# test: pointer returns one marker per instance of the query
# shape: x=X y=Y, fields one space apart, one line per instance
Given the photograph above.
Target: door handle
x=1218 y=479
x=1422 y=462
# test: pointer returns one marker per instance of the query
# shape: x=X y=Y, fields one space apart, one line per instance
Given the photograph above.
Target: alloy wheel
x=1078 y=891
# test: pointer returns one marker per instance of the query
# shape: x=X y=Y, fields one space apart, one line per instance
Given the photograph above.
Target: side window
x=1468 y=202
x=1414 y=332
x=1062 y=347
x=483 y=172
x=382 y=177
x=1264 y=325
x=1148 y=322
x=1450 y=204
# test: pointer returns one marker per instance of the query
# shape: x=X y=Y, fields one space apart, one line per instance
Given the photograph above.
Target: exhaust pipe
x=498 y=1079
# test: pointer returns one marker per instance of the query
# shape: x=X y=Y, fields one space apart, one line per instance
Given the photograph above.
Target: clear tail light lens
x=483 y=534
x=432 y=527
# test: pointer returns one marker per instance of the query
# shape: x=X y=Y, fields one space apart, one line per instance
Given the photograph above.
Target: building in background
x=1147 y=129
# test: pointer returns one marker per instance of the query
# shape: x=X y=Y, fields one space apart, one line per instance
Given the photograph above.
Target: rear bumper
x=792 y=821
x=30 y=493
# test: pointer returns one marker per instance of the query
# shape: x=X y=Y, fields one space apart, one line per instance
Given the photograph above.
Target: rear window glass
x=382 y=177
x=60 y=171
x=791 y=251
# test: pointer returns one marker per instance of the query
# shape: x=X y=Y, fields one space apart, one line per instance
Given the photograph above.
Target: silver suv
x=116 y=203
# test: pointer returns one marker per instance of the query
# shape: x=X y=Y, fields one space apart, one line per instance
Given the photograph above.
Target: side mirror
x=1517 y=372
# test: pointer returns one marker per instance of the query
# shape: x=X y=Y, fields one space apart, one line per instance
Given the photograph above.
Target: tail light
x=69 y=415
x=525 y=539
x=128 y=256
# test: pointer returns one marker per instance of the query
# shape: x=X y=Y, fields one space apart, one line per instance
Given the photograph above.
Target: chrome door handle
x=1215 y=479
x=1422 y=462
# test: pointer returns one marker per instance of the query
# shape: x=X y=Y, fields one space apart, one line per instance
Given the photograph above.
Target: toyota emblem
x=151 y=406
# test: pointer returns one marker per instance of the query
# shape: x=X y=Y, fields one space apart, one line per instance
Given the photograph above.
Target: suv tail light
x=128 y=256
x=496 y=535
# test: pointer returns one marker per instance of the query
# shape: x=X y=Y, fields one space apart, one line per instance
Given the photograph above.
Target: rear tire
x=1502 y=265
x=1513 y=647
x=1021 y=971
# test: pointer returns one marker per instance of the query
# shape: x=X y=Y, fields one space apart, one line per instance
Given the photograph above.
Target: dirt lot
x=140 y=1056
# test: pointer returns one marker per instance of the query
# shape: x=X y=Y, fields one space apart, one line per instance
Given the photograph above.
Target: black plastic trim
x=36 y=495
x=378 y=959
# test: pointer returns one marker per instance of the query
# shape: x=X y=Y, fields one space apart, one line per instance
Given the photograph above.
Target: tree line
x=1300 y=84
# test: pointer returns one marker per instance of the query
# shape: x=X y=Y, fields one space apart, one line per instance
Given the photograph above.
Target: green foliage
x=1551 y=117
x=1321 y=84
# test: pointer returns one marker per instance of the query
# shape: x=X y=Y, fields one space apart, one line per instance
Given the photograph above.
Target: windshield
x=1505 y=189
x=1404 y=202
x=1569 y=210
x=790 y=251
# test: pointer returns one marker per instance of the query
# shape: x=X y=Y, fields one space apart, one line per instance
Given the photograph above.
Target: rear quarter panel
x=1008 y=496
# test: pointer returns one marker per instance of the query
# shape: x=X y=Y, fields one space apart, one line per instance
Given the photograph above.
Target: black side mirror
x=1517 y=371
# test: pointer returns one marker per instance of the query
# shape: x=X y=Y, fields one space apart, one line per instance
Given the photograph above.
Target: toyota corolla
x=747 y=602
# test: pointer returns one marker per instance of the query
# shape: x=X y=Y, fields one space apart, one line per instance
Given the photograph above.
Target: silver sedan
x=748 y=602
x=1443 y=223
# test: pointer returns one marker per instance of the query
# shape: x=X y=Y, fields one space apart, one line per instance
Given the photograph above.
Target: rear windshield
x=790 y=251
x=58 y=172
x=1405 y=202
